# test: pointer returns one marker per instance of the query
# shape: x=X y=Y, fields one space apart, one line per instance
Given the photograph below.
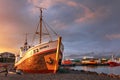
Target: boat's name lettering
x=44 y=47
x=37 y=50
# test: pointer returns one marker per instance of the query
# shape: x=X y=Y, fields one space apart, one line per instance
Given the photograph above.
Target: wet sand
x=69 y=75
x=62 y=74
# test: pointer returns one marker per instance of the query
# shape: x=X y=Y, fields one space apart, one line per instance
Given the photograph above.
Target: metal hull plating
x=40 y=61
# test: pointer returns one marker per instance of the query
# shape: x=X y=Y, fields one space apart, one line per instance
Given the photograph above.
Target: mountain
x=93 y=54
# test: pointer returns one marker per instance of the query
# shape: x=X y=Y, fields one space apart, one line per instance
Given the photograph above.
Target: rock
x=114 y=76
x=103 y=74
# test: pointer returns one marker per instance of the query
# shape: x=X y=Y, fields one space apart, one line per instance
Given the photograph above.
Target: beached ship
x=44 y=57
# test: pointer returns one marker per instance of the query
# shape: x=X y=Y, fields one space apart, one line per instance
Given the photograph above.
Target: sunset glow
x=85 y=25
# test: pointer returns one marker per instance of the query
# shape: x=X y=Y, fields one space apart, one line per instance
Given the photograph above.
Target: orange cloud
x=9 y=37
x=49 y=3
x=8 y=49
x=41 y=3
x=58 y=24
x=90 y=15
x=112 y=36
x=71 y=3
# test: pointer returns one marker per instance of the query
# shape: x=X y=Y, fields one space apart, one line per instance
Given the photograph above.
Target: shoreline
x=62 y=74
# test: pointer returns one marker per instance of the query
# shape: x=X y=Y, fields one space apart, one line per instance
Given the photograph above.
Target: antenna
x=26 y=41
x=40 y=7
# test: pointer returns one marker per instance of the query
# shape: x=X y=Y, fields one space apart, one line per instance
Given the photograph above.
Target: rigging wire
x=51 y=29
x=45 y=25
x=47 y=30
x=35 y=34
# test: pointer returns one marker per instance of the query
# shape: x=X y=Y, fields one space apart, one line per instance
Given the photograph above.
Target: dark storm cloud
x=92 y=32
x=86 y=25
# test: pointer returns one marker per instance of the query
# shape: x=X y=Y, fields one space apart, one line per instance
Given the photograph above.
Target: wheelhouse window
x=36 y=50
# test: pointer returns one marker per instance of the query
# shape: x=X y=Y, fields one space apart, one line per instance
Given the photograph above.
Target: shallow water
x=99 y=69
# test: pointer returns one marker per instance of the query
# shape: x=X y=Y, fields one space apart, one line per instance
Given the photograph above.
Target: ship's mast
x=40 y=25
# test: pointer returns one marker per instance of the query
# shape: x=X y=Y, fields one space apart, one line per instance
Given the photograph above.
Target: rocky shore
x=62 y=74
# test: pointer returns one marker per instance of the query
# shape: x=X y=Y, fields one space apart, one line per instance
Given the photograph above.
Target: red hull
x=113 y=63
x=37 y=63
x=39 y=71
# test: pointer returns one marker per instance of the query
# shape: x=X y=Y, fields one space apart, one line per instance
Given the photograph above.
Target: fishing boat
x=68 y=62
x=113 y=62
x=87 y=60
x=44 y=57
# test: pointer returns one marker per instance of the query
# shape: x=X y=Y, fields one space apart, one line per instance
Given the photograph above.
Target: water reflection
x=87 y=68
x=99 y=69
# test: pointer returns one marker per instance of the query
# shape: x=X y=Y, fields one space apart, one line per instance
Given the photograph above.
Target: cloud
x=113 y=36
x=50 y=3
x=72 y=4
x=40 y=3
x=90 y=15
x=14 y=21
x=57 y=24
x=97 y=19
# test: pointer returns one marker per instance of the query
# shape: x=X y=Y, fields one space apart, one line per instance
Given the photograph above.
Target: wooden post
x=57 y=54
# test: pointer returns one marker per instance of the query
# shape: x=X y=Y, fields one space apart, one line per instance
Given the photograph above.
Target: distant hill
x=96 y=55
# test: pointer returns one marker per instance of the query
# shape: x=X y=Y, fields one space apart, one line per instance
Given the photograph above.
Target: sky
x=85 y=25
